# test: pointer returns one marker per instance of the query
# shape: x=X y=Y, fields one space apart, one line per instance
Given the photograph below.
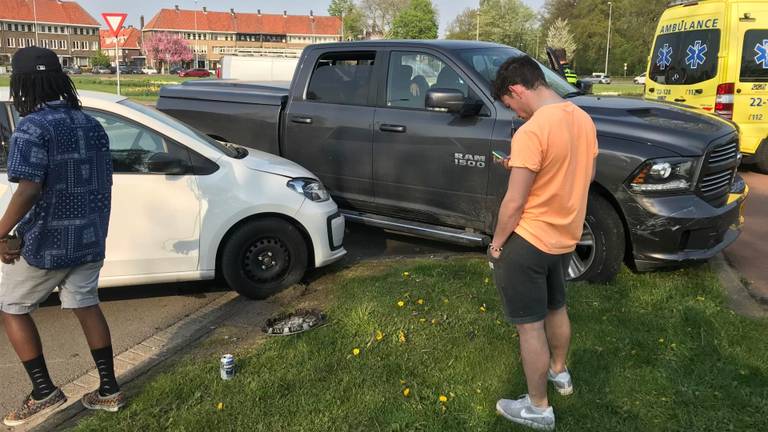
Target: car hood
x=266 y=162
x=680 y=129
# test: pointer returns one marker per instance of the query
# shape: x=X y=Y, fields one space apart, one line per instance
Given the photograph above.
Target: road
x=749 y=252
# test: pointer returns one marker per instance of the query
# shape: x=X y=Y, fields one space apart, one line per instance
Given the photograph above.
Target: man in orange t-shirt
x=540 y=221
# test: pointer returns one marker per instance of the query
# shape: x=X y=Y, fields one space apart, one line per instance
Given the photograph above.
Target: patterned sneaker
x=523 y=412
x=562 y=381
x=32 y=408
x=111 y=403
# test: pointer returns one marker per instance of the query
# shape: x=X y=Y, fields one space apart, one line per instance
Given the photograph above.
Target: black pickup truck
x=401 y=133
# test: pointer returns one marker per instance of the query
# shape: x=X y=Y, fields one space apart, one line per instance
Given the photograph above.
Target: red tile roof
x=130 y=38
x=48 y=11
x=225 y=22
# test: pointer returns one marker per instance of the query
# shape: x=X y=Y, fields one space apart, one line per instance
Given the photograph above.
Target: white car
x=640 y=79
x=186 y=207
x=598 y=78
x=149 y=71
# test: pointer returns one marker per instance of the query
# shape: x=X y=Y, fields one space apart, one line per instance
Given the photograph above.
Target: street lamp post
x=196 y=35
x=608 y=43
x=34 y=12
x=477 y=29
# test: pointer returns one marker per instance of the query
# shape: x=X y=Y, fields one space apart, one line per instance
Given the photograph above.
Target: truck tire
x=599 y=254
x=264 y=256
x=761 y=157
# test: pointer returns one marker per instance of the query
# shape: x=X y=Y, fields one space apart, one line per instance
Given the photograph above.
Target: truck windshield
x=685 y=58
x=486 y=61
x=229 y=150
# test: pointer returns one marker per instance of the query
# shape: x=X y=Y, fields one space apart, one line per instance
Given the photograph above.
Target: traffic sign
x=114 y=22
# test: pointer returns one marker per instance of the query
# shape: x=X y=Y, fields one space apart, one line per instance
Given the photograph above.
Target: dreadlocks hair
x=30 y=90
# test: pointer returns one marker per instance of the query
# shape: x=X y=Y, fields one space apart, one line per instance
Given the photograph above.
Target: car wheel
x=263 y=257
x=600 y=251
x=761 y=157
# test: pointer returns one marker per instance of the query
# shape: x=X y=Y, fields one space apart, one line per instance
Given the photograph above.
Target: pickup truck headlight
x=310 y=188
x=664 y=175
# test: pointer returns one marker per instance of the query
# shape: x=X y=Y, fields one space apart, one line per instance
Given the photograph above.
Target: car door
x=427 y=165
x=155 y=223
x=329 y=125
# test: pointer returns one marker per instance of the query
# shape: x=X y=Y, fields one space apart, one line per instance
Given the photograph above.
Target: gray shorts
x=23 y=287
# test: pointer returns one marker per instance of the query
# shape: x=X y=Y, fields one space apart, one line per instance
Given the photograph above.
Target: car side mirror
x=584 y=86
x=452 y=101
x=163 y=163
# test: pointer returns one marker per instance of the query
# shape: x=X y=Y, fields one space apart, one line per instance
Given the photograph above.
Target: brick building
x=129 y=45
x=215 y=34
x=63 y=26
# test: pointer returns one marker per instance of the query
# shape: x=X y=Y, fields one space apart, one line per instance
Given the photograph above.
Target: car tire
x=761 y=157
x=607 y=242
x=264 y=256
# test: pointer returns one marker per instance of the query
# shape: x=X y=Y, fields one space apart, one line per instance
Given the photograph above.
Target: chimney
x=177 y=8
x=232 y=11
x=285 y=14
x=311 y=14
x=205 y=9
x=258 y=12
x=141 y=22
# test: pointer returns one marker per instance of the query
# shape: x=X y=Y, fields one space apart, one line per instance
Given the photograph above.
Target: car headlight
x=664 y=175
x=310 y=188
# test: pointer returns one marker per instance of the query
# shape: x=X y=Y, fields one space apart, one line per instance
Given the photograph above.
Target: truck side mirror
x=452 y=101
x=585 y=86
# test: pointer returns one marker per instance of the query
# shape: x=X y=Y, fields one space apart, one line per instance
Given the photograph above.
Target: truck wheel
x=600 y=251
x=761 y=157
x=263 y=257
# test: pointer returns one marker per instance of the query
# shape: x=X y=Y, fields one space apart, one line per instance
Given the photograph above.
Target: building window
x=94 y=46
x=11 y=42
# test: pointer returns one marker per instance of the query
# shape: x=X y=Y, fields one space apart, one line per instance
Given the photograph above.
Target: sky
x=448 y=9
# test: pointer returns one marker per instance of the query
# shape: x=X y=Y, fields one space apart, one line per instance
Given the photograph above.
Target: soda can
x=227 y=367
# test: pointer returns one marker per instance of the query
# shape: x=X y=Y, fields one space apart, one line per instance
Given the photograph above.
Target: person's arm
x=511 y=210
x=22 y=201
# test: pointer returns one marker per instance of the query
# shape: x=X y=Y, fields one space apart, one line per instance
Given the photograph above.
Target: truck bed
x=245 y=113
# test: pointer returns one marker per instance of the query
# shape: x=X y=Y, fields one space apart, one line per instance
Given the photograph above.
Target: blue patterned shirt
x=67 y=151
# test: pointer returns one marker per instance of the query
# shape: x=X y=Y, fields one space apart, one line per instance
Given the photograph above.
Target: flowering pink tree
x=163 y=49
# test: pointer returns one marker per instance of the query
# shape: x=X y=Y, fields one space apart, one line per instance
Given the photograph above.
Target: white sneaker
x=522 y=411
x=562 y=381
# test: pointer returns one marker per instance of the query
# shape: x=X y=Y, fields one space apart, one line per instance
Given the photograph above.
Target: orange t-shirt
x=559 y=143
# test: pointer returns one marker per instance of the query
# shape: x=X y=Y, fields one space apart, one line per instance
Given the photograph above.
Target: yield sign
x=114 y=22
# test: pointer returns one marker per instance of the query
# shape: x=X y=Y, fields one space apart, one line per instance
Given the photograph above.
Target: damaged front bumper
x=671 y=230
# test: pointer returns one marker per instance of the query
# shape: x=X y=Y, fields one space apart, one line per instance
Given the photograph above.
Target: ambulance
x=713 y=55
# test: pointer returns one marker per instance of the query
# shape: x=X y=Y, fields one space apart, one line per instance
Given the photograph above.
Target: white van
x=258 y=68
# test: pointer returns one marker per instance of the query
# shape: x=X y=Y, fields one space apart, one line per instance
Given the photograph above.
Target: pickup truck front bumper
x=671 y=230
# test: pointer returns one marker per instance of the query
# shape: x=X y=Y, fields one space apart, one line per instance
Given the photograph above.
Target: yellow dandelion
x=356 y=351
x=401 y=336
x=400 y=303
x=406 y=275
x=220 y=406
x=443 y=399
x=435 y=321
x=445 y=301
x=420 y=301
x=406 y=392
x=487 y=281
x=661 y=340
x=379 y=335
x=422 y=320
x=482 y=308
x=402 y=382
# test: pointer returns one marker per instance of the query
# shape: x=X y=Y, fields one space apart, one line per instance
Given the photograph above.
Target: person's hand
x=415 y=90
x=8 y=256
x=503 y=162
x=494 y=252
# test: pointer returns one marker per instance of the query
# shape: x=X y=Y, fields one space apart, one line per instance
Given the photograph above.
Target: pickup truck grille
x=718 y=173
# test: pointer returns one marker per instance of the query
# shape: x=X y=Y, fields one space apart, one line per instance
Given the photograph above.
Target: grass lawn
x=650 y=352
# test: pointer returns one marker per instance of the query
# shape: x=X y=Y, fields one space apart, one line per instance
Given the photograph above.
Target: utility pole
x=34 y=12
x=196 y=37
x=608 y=43
x=477 y=32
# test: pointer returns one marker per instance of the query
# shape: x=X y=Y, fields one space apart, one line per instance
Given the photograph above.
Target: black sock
x=42 y=386
x=106 y=367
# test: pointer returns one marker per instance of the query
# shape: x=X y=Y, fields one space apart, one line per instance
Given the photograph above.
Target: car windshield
x=228 y=149
x=486 y=61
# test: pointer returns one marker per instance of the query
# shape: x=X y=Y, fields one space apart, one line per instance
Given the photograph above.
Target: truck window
x=754 y=57
x=412 y=74
x=342 y=78
x=685 y=58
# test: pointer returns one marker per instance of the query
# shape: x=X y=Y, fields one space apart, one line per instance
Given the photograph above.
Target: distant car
x=640 y=79
x=149 y=71
x=175 y=70
x=197 y=73
x=102 y=70
x=598 y=78
x=73 y=70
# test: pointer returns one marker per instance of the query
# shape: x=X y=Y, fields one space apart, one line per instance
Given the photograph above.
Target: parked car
x=186 y=207
x=72 y=70
x=149 y=71
x=102 y=70
x=666 y=192
x=640 y=79
x=199 y=73
x=598 y=78
x=175 y=70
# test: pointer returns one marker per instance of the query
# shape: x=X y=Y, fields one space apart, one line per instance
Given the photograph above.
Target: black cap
x=34 y=60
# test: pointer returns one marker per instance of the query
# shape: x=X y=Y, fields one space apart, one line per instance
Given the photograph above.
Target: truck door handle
x=392 y=128
x=679 y=99
x=301 y=120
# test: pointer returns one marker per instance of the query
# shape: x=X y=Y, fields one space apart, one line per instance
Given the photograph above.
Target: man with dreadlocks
x=59 y=156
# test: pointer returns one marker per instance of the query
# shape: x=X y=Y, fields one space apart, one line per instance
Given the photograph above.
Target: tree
x=464 y=26
x=350 y=15
x=560 y=36
x=101 y=59
x=509 y=22
x=378 y=15
x=163 y=49
x=417 y=21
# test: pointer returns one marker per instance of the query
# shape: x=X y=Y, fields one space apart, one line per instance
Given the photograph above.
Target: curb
x=739 y=297
x=137 y=360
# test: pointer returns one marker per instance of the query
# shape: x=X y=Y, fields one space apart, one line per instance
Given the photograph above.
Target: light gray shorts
x=23 y=287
